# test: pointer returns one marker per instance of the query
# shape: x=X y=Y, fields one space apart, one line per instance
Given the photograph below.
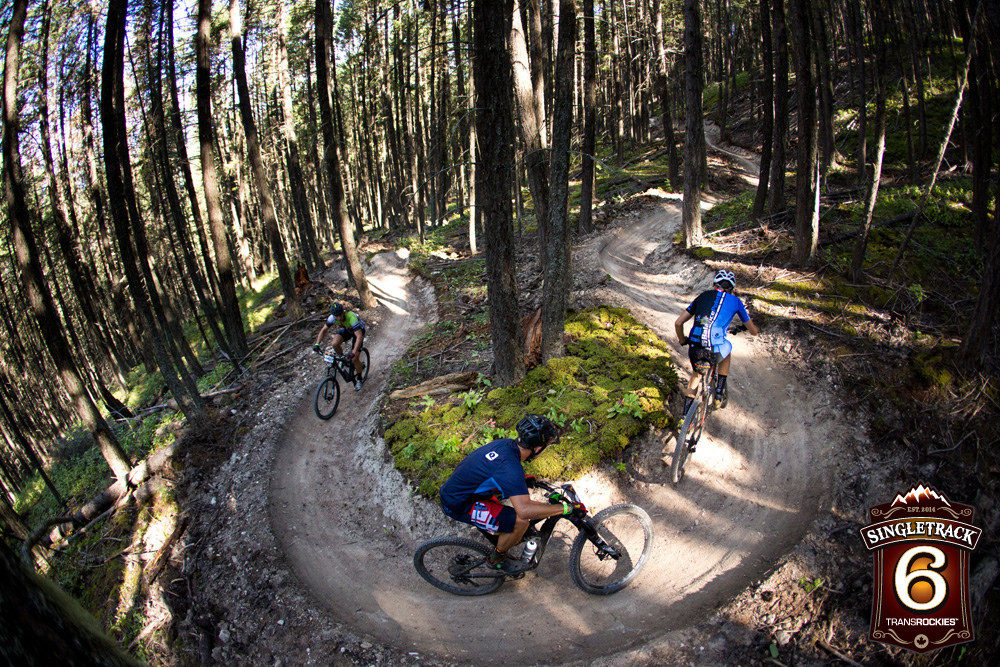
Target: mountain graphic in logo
x=918 y=494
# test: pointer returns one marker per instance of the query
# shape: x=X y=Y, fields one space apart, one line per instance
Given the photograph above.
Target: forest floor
x=765 y=523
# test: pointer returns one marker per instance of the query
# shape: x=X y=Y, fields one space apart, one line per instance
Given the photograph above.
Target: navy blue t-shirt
x=492 y=470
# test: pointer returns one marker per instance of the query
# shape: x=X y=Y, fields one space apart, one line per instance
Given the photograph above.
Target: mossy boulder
x=611 y=385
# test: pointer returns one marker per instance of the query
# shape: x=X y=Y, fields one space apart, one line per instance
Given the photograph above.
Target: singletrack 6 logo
x=921 y=543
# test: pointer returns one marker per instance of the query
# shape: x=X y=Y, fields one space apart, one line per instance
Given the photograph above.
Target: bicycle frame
x=339 y=363
x=543 y=534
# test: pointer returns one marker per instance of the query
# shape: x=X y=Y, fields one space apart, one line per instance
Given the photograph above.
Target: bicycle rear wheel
x=687 y=438
x=457 y=565
x=627 y=530
x=327 y=397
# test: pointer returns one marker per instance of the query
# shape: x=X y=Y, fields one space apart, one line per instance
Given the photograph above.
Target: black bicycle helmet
x=536 y=431
x=336 y=309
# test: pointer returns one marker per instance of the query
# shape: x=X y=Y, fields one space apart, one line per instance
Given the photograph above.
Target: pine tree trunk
x=29 y=264
x=558 y=272
x=694 y=125
x=331 y=153
x=767 y=101
x=663 y=90
x=177 y=217
x=257 y=164
x=806 y=172
x=779 y=160
x=307 y=235
x=494 y=177
x=536 y=152
x=180 y=143
x=232 y=321
x=586 y=223
x=42 y=624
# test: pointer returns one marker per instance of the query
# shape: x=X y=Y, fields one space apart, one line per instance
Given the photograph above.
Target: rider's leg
x=336 y=342
x=507 y=540
x=726 y=351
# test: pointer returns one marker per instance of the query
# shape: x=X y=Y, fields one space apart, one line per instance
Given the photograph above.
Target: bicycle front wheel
x=687 y=438
x=327 y=397
x=457 y=565
x=366 y=361
x=627 y=532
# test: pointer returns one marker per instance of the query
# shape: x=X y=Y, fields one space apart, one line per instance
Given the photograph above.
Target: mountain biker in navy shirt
x=712 y=312
x=494 y=472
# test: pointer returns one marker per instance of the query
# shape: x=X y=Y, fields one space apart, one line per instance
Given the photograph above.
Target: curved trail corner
x=348 y=525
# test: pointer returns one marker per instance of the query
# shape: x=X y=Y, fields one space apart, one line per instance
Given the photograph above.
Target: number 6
x=903 y=579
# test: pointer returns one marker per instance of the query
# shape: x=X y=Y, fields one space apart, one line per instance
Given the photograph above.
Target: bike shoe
x=357 y=385
x=510 y=567
x=721 y=399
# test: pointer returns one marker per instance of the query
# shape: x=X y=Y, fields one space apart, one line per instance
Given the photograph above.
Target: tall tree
x=767 y=101
x=590 y=119
x=807 y=167
x=494 y=177
x=776 y=183
x=693 y=124
x=558 y=273
x=260 y=176
x=536 y=157
x=331 y=153
x=26 y=251
x=663 y=90
x=307 y=236
x=232 y=321
x=125 y=212
x=872 y=184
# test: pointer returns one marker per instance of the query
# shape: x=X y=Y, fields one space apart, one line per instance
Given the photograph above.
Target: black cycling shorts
x=347 y=333
x=698 y=355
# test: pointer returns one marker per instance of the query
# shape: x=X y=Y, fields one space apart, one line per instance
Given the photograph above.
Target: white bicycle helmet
x=724 y=276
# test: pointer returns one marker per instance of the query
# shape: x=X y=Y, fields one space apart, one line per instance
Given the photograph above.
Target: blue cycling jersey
x=713 y=310
x=492 y=470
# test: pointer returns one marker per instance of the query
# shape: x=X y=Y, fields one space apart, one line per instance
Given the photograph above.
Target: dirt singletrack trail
x=348 y=526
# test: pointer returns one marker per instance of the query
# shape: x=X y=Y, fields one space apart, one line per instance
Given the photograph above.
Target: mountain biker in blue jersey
x=494 y=472
x=350 y=327
x=712 y=312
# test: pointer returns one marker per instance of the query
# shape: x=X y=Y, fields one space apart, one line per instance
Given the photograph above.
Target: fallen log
x=113 y=495
x=163 y=553
x=443 y=384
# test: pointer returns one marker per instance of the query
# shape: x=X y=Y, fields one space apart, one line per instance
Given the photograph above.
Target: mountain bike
x=608 y=552
x=328 y=391
x=693 y=421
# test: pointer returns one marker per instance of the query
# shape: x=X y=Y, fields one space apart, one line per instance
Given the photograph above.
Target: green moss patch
x=610 y=386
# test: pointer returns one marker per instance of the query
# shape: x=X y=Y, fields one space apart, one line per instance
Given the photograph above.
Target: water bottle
x=530 y=547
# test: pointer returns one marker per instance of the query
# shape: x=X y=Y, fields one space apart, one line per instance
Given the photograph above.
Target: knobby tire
x=632 y=561
x=438 y=574
x=690 y=429
x=366 y=362
x=327 y=397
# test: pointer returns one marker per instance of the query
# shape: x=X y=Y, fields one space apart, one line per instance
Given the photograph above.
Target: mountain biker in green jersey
x=494 y=472
x=712 y=312
x=350 y=327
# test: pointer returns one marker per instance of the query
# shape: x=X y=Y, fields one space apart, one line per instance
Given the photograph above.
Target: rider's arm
x=322 y=332
x=529 y=509
x=679 y=326
x=751 y=327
